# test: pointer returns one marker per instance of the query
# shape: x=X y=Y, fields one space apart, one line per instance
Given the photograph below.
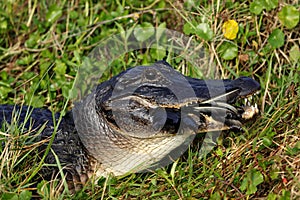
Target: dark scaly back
x=66 y=145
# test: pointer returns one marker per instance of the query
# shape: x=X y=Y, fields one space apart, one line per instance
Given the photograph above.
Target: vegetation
x=44 y=43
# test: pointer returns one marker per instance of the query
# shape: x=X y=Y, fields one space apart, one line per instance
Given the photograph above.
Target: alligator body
x=139 y=120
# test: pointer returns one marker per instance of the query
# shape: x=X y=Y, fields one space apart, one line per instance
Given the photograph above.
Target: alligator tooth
x=225 y=105
x=247 y=102
x=220 y=97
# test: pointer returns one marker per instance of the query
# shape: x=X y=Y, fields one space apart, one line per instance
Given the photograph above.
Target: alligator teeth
x=248 y=103
x=225 y=105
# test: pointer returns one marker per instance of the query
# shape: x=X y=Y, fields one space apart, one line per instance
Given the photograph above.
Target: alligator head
x=146 y=117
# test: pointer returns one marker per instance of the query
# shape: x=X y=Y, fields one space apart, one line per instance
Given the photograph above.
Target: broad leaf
x=256 y=7
x=251 y=181
x=143 y=31
x=203 y=30
x=289 y=16
x=228 y=51
x=276 y=39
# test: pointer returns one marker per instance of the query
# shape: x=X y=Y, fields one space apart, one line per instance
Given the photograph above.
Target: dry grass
x=270 y=145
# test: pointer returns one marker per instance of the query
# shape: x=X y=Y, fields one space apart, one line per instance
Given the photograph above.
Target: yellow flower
x=230 y=29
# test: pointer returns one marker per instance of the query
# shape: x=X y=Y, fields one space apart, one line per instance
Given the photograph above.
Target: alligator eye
x=150 y=75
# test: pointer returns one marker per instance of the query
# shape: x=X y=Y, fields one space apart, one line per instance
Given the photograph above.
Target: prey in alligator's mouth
x=155 y=101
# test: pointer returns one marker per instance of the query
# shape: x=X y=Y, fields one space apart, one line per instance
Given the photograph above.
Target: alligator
x=138 y=121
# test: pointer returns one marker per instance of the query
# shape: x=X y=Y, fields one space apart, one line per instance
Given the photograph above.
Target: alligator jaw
x=233 y=115
x=163 y=98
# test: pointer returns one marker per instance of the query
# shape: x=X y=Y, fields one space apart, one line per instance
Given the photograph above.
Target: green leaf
x=228 y=51
x=256 y=7
x=160 y=30
x=293 y=150
x=286 y=195
x=270 y=4
x=271 y=196
x=9 y=196
x=66 y=90
x=158 y=52
x=203 y=30
x=295 y=53
x=2 y=83
x=26 y=60
x=25 y=195
x=267 y=142
x=276 y=38
x=3 y=24
x=60 y=68
x=4 y=76
x=190 y=4
x=32 y=40
x=251 y=181
x=143 y=31
x=188 y=28
x=74 y=14
x=35 y=101
x=44 y=66
x=54 y=13
x=121 y=31
x=244 y=184
x=129 y=32
x=274 y=174
x=215 y=196
x=4 y=91
x=257 y=177
x=289 y=16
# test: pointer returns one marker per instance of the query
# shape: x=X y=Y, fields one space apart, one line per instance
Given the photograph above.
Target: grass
x=44 y=42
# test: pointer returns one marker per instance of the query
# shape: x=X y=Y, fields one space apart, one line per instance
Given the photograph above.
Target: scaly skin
x=142 y=119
